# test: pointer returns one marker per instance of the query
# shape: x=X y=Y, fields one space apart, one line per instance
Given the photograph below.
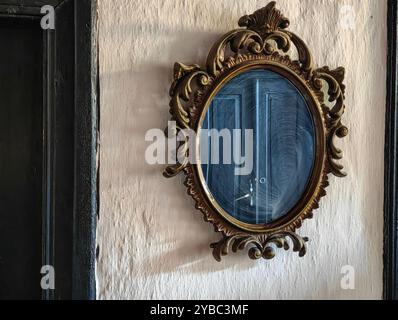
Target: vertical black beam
x=64 y=147
x=391 y=162
x=48 y=154
x=86 y=148
x=70 y=131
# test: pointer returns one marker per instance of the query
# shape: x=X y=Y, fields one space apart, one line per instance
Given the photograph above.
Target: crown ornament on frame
x=261 y=40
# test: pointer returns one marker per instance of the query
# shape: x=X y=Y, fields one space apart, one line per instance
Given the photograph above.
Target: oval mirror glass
x=257 y=147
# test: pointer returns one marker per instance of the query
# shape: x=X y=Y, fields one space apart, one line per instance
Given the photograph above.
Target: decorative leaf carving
x=336 y=90
x=236 y=41
x=260 y=246
x=265 y=20
x=181 y=91
x=305 y=56
x=181 y=107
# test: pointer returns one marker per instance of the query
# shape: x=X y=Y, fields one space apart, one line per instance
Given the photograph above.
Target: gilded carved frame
x=261 y=42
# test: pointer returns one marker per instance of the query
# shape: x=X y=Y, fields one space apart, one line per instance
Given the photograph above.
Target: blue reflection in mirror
x=283 y=147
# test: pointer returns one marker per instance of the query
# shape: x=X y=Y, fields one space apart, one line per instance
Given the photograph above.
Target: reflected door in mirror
x=268 y=107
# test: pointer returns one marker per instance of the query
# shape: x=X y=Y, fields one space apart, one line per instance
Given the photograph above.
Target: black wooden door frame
x=391 y=162
x=77 y=88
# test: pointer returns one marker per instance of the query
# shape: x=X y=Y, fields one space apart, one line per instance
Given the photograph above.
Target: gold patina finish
x=261 y=43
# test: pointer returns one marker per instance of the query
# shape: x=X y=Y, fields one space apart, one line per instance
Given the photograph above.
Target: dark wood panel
x=21 y=141
x=391 y=162
x=28 y=8
x=69 y=114
x=63 y=139
x=86 y=189
x=31 y=3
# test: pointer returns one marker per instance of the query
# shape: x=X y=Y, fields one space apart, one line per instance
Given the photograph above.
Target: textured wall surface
x=153 y=243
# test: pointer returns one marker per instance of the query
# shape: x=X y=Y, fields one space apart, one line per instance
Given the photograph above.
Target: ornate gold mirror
x=264 y=120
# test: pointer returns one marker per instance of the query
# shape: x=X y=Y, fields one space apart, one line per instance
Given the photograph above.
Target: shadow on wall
x=139 y=100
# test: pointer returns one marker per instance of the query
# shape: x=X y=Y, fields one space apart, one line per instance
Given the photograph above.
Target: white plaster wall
x=153 y=244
